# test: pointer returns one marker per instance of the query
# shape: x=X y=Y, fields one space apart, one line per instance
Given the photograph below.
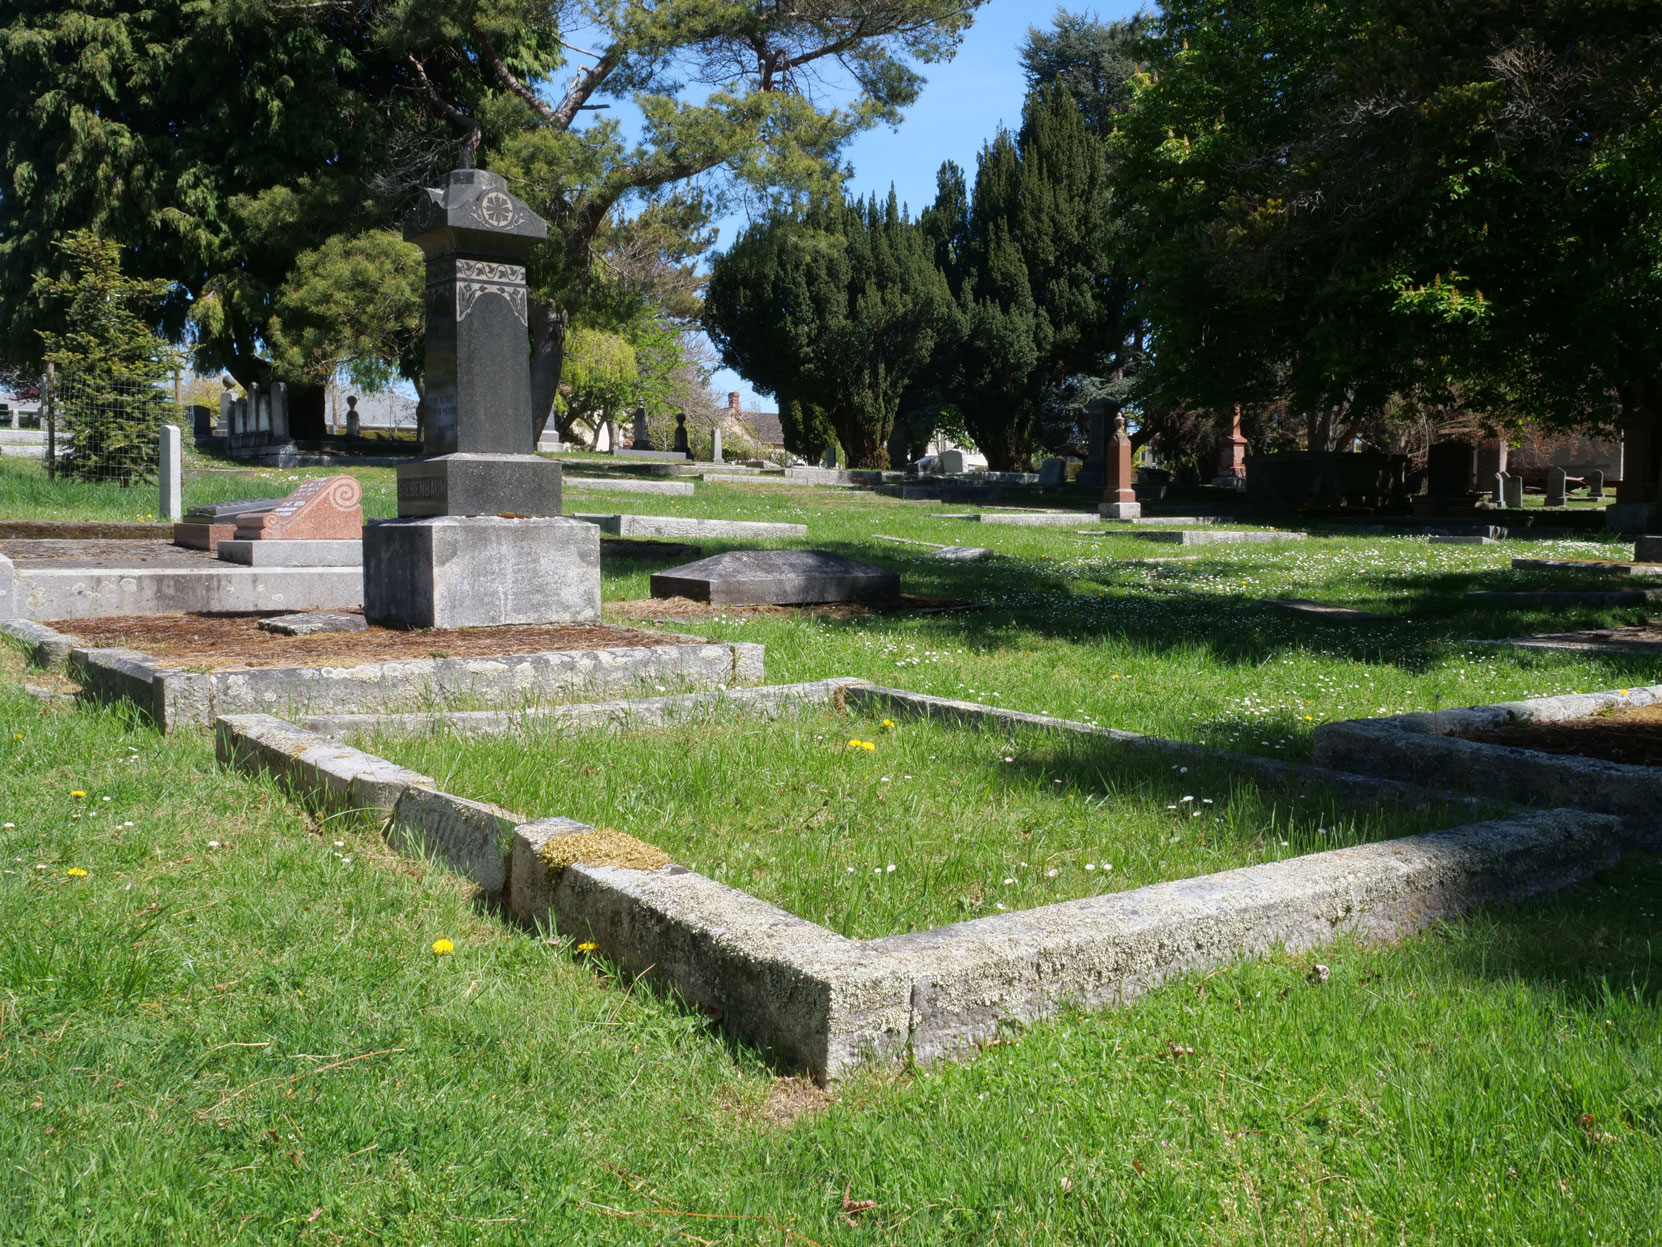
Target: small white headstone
x=952 y=462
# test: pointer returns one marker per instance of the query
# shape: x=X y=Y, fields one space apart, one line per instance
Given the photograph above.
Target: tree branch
x=472 y=133
x=510 y=80
x=585 y=85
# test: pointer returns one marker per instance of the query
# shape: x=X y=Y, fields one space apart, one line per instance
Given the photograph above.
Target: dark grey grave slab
x=1570 y=597
x=1322 y=610
x=775 y=578
x=227 y=512
x=311 y=623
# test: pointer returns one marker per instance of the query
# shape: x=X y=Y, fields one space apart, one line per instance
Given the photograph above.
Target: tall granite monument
x=478 y=539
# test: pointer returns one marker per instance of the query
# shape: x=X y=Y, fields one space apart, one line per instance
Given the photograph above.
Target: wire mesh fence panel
x=106 y=428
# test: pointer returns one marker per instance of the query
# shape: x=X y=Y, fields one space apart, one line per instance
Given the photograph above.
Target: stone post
x=681 y=446
x=354 y=422
x=479 y=540
x=8 y=596
x=256 y=410
x=1119 y=502
x=1555 y=487
x=227 y=406
x=715 y=445
x=280 y=412
x=643 y=434
x=1499 y=495
x=1232 y=454
x=170 y=473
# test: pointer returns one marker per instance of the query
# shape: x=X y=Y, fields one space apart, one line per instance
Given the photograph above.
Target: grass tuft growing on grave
x=872 y=827
x=235 y=1028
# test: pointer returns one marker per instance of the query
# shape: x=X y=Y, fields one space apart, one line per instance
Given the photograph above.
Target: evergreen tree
x=1029 y=259
x=109 y=363
x=835 y=311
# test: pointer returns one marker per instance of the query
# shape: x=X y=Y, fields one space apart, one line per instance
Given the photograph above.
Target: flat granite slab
x=775 y=578
x=301 y=553
x=1453 y=539
x=1021 y=519
x=686 y=526
x=1322 y=610
x=1183 y=537
x=1642 y=639
x=1569 y=597
x=1603 y=567
x=623 y=485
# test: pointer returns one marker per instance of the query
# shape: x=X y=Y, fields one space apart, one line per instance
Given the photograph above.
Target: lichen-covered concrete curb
x=321 y=771
x=1418 y=747
x=766 y=700
x=972 y=978
x=174 y=698
x=1350 y=784
x=42 y=646
x=824 y=1003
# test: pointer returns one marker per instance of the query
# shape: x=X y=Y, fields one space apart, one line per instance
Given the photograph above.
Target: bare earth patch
x=1631 y=736
x=786 y=1100
x=227 y=642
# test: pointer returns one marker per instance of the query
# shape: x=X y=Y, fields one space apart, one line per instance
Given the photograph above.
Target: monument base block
x=479 y=484
x=1120 y=510
x=478 y=571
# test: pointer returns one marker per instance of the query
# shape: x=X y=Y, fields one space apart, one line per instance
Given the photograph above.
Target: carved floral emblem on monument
x=476 y=278
x=496 y=209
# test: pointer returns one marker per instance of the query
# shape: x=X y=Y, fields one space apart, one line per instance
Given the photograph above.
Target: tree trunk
x=1641 y=407
x=864 y=441
x=548 y=351
x=308 y=419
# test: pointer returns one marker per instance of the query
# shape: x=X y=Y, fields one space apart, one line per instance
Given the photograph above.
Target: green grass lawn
x=928 y=825
x=233 y=1028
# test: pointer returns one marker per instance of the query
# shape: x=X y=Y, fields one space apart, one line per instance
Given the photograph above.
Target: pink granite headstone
x=1119 y=465
x=327 y=509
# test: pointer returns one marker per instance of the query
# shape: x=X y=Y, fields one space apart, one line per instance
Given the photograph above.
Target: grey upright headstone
x=1514 y=490
x=1595 y=484
x=354 y=422
x=476 y=236
x=1099 y=424
x=258 y=413
x=1555 y=487
x=1499 y=495
x=715 y=445
x=479 y=540
x=201 y=421
x=643 y=434
x=170 y=474
x=680 y=445
x=280 y=411
x=1052 y=472
x=829 y=458
x=952 y=462
x=227 y=406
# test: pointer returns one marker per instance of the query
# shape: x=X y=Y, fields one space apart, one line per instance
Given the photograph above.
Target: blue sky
x=964 y=103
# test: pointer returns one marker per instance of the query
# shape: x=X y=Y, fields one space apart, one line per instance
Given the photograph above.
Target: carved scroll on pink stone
x=327 y=509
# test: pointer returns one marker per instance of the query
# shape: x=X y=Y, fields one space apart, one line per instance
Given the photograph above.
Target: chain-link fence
x=104 y=428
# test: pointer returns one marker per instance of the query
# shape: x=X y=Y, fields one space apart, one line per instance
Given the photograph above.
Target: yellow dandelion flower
x=75 y=872
x=866 y=744
x=588 y=947
x=442 y=946
x=853 y=744
x=77 y=793
x=888 y=722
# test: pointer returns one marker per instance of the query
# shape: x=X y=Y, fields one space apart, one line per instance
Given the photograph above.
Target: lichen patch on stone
x=602 y=848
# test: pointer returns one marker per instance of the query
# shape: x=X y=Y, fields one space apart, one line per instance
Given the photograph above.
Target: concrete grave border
x=173 y=697
x=1419 y=747
x=827 y=1004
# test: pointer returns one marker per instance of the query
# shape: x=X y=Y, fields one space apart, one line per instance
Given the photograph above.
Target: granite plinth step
x=775 y=578
x=687 y=526
x=1453 y=539
x=296 y=553
x=1184 y=537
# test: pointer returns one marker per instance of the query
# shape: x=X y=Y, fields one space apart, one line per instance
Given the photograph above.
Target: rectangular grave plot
x=871 y=830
